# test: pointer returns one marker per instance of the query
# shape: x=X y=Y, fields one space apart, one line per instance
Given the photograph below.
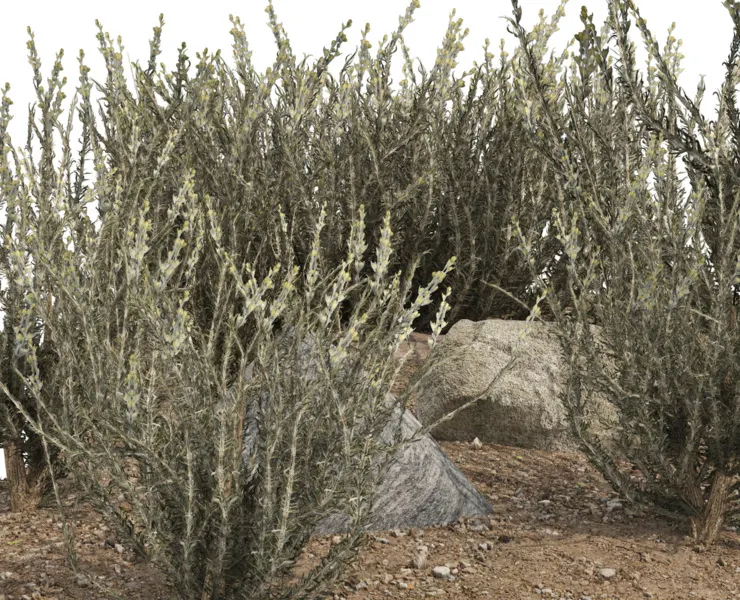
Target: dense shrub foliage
x=158 y=287
x=655 y=267
x=341 y=144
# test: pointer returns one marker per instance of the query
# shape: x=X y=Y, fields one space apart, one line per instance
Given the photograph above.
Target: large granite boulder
x=421 y=485
x=522 y=409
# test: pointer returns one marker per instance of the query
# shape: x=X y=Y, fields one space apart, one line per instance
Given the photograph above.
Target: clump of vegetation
x=429 y=154
x=159 y=288
x=655 y=267
x=216 y=470
x=188 y=419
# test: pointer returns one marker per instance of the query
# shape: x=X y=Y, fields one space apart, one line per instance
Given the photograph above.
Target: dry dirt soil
x=557 y=531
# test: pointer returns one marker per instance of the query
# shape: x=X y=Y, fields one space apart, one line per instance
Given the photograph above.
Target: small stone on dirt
x=441 y=572
x=419 y=561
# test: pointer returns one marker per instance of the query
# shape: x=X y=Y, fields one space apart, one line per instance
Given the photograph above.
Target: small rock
x=386 y=578
x=419 y=561
x=441 y=572
x=119 y=548
x=476 y=443
x=335 y=540
x=721 y=562
x=485 y=546
x=608 y=573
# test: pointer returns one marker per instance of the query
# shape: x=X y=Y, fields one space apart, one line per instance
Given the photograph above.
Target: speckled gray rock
x=421 y=486
x=522 y=409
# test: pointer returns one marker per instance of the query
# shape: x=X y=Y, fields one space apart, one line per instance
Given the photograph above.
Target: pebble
x=441 y=572
x=419 y=561
x=608 y=573
x=476 y=443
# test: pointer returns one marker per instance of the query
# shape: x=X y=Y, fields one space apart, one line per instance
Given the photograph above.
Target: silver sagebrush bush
x=658 y=269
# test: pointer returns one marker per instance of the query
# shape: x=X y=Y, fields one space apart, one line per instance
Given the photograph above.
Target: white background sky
x=705 y=28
